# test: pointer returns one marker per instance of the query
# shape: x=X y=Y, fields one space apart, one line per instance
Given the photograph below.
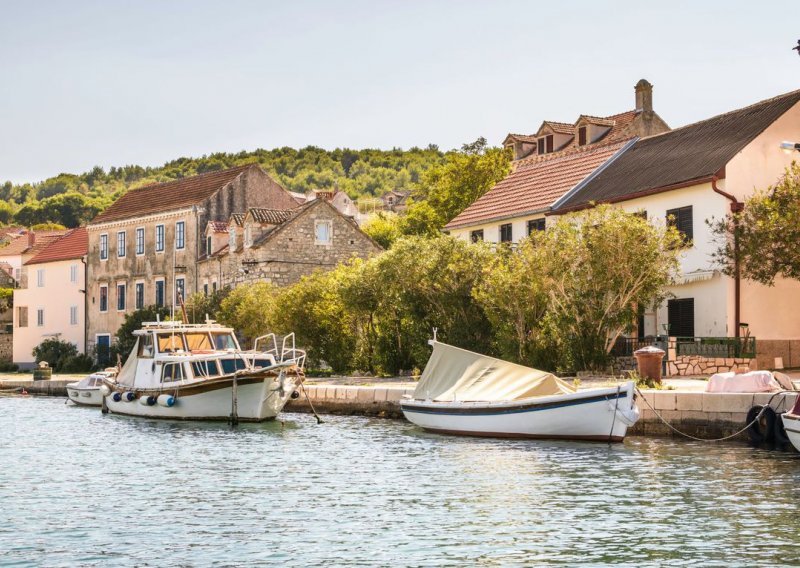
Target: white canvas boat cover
x=457 y=374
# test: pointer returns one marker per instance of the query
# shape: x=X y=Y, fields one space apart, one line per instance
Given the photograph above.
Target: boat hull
x=257 y=399
x=791 y=424
x=85 y=397
x=596 y=415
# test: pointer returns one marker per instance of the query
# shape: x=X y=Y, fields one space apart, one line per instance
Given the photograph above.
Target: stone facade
x=251 y=188
x=687 y=365
x=281 y=253
x=6 y=346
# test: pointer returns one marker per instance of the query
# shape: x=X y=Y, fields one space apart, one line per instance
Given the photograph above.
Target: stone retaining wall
x=687 y=365
x=6 y=346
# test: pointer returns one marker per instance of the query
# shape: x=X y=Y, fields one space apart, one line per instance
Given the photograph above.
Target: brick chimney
x=644 y=95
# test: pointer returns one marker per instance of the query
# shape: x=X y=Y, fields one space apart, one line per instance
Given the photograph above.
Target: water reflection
x=78 y=487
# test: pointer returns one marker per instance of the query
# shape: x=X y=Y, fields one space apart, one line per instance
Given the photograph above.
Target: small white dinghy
x=791 y=424
x=87 y=391
x=466 y=393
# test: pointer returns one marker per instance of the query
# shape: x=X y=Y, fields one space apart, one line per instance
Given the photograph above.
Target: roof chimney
x=644 y=95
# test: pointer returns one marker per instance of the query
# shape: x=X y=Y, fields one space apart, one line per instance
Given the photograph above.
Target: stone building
x=280 y=246
x=145 y=248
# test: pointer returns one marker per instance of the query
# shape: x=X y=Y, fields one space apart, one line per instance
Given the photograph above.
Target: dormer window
x=582 y=136
x=545 y=144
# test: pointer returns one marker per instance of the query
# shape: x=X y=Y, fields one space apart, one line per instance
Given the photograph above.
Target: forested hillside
x=73 y=199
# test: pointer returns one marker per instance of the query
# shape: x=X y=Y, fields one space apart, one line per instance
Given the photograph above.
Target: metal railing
x=727 y=347
x=626 y=346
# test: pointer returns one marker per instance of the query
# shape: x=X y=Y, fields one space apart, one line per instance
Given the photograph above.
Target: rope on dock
x=671 y=427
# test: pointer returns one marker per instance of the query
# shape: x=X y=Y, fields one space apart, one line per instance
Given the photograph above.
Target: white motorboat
x=791 y=424
x=86 y=392
x=198 y=372
x=466 y=393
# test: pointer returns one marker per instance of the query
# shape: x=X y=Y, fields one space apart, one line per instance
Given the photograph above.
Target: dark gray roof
x=272 y=216
x=694 y=152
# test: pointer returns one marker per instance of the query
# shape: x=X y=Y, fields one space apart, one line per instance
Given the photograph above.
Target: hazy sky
x=105 y=82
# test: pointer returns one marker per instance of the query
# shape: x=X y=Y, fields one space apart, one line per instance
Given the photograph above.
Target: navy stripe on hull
x=532 y=407
x=588 y=438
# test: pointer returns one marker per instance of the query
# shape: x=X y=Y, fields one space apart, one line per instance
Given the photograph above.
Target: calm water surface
x=80 y=488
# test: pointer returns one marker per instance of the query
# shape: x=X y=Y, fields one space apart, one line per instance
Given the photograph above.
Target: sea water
x=79 y=488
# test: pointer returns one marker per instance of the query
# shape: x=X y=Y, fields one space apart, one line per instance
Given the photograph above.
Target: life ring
x=779 y=432
x=764 y=429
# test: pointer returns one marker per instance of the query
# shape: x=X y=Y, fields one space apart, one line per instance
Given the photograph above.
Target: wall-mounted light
x=790 y=147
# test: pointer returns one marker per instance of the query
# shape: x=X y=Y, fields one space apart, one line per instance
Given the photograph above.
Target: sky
x=112 y=82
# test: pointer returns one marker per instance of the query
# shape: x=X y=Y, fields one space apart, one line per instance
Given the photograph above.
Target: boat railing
x=268 y=338
x=290 y=352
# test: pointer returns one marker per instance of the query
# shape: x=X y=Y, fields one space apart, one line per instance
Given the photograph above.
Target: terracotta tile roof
x=169 y=196
x=536 y=186
x=44 y=241
x=523 y=137
x=693 y=152
x=219 y=226
x=74 y=244
x=237 y=218
x=17 y=246
x=30 y=243
x=271 y=216
x=560 y=127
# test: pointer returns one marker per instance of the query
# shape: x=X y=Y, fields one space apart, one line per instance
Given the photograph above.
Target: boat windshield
x=198 y=341
x=170 y=342
x=223 y=341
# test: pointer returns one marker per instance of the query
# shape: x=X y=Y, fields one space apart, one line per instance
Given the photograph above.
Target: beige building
x=281 y=246
x=51 y=300
x=145 y=248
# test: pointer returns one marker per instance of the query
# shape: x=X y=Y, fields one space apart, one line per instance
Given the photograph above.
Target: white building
x=51 y=300
x=694 y=174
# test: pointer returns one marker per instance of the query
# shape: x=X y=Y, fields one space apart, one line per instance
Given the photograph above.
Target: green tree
x=250 y=310
x=383 y=227
x=767 y=231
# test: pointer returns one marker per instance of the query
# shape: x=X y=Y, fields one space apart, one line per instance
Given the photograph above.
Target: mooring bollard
x=648 y=362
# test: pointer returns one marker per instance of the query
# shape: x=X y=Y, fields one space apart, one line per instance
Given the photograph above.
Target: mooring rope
x=671 y=427
x=308 y=398
x=614 y=419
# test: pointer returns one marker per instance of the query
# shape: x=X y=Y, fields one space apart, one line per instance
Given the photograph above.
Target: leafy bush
x=55 y=352
x=80 y=363
x=8 y=367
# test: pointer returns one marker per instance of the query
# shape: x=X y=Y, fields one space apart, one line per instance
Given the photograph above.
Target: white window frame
x=100 y=299
x=182 y=234
x=40 y=277
x=122 y=239
x=73 y=315
x=232 y=239
x=136 y=285
x=103 y=244
x=39 y=317
x=163 y=239
x=321 y=223
x=140 y=233
x=181 y=279
x=73 y=273
x=124 y=296
x=248 y=236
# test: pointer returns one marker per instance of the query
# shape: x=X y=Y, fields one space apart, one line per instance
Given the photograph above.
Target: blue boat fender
x=116 y=397
x=166 y=400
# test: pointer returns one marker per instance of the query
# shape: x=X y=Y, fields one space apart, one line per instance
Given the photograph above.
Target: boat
x=465 y=393
x=87 y=391
x=791 y=424
x=199 y=372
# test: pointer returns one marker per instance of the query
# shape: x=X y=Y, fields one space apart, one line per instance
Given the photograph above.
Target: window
x=104 y=298
x=40 y=317
x=103 y=247
x=180 y=235
x=121 y=244
x=40 y=277
x=160 y=293
x=172 y=372
x=536 y=225
x=73 y=273
x=205 y=368
x=170 y=342
x=208 y=246
x=214 y=287
x=582 y=136
x=476 y=236
x=198 y=342
x=159 y=238
x=248 y=236
x=121 y=292
x=545 y=144
x=205 y=289
x=180 y=288
x=681 y=219
x=322 y=232
x=680 y=316
x=641 y=213
x=232 y=238
x=505 y=233
x=139 y=300
x=22 y=316
x=223 y=341
x=140 y=241
x=73 y=315
x=146 y=346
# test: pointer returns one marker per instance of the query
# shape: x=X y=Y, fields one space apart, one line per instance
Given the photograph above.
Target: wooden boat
x=466 y=393
x=198 y=372
x=791 y=424
x=87 y=391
